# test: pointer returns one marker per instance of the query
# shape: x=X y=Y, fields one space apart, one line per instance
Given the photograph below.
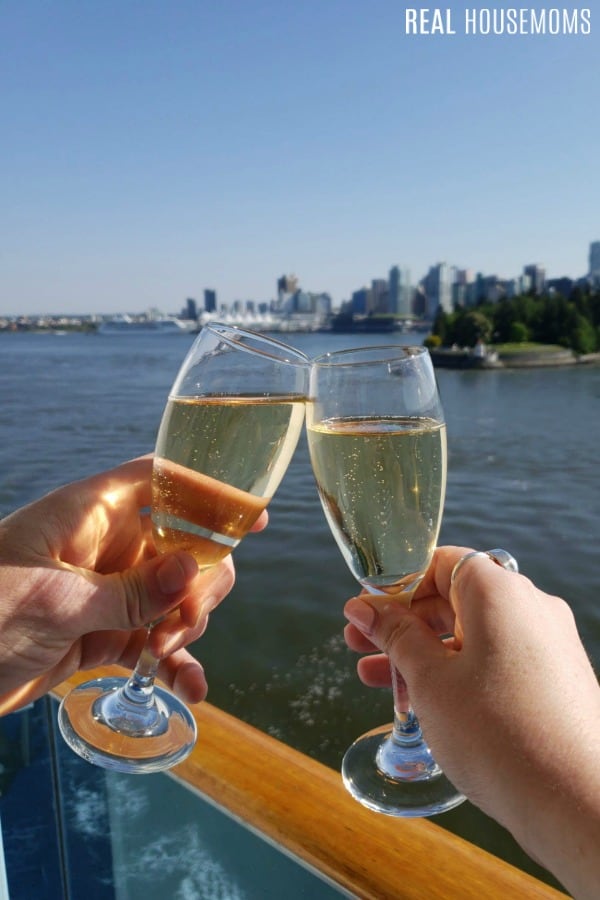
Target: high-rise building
x=400 y=293
x=437 y=286
x=462 y=288
x=537 y=274
x=380 y=296
x=323 y=304
x=301 y=302
x=210 y=300
x=360 y=302
x=286 y=285
x=190 y=311
x=595 y=262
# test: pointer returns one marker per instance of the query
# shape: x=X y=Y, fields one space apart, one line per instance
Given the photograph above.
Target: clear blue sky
x=152 y=148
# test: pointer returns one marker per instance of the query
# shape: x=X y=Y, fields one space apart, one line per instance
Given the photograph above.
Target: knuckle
x=131 y=587
x=395 y=637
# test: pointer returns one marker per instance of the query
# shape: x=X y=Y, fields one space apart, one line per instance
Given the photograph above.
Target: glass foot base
x=106 y=729
x=397 y=780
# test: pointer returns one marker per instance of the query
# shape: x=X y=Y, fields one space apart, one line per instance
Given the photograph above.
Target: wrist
x=559 y=826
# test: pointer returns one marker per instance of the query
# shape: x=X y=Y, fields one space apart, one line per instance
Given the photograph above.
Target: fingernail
x=360 y=614
x=175 y=572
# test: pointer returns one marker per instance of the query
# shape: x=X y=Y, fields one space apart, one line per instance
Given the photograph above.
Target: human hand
x=510 y=708
x=80 y=580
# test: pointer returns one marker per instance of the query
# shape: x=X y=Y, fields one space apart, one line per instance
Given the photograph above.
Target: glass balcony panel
x=73 y=830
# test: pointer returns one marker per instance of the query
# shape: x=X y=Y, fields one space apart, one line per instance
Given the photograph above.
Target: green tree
x=440 y=325
x=473 y=326
x=433 y=341
x=583 y=337
x=548 y=319
x=556 y=316
x=525 y=309
x=594 y=309
x=519 y=333
x=504 y=318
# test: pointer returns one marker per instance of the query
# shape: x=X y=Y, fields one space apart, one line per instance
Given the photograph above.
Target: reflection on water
x=523 y=451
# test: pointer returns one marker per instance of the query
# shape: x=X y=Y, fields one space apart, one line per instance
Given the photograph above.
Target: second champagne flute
x=377 y=442
x=227 y=435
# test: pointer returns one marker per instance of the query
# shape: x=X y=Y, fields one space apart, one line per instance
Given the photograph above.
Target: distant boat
x=348 y=323
x=163 y=325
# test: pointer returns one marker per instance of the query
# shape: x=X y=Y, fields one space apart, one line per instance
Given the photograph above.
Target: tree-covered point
x=572 y=321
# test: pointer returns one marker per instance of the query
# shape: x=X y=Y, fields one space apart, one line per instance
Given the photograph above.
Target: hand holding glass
x=227 y=435
x=377 y=442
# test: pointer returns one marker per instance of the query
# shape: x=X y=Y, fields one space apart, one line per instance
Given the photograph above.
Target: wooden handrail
x=302 y=806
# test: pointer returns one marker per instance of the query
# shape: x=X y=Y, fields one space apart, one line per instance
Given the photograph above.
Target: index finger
x=431 y=601
x=436 y=581
x=131 y=478
x=262 y=521
x=483 y=591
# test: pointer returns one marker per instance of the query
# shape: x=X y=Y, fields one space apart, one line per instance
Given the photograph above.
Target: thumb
x=137 y=596
x=406 y=639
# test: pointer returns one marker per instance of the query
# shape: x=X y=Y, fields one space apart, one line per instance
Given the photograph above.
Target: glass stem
x=407 y=730
x=140 y=686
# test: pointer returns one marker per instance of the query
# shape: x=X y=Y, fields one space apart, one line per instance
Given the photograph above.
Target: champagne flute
x=227 y=435
x=377 y=442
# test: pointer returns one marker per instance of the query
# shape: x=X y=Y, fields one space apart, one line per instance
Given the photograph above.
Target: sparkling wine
x=382 y=485
x=218 y=462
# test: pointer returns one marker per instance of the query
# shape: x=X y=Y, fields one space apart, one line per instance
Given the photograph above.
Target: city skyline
x=519 y=281
x=153 y=151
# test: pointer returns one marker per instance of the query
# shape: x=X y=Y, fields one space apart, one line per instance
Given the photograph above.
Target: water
x=523 y=448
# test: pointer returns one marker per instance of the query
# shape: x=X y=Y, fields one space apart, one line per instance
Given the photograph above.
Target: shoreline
x=449 y=358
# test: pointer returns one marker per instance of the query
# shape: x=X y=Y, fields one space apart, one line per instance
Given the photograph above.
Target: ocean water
x=523 y=452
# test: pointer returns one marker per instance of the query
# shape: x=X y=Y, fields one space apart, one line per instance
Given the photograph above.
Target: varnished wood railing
x=302 y=806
